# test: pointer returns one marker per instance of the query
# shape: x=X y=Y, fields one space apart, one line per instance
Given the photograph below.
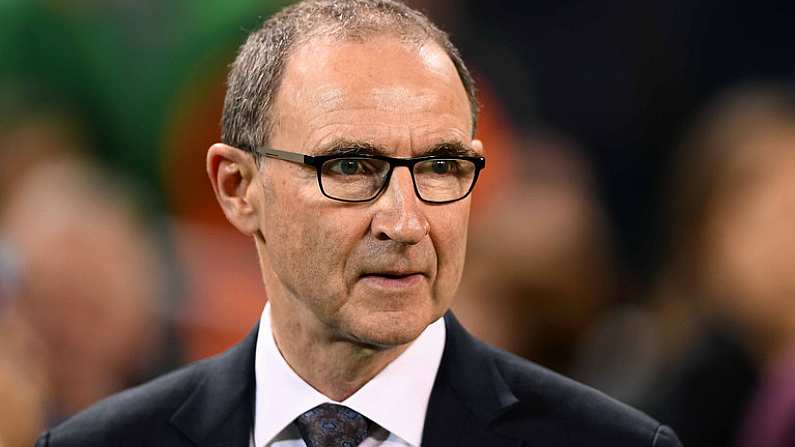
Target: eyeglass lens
x=437 y=180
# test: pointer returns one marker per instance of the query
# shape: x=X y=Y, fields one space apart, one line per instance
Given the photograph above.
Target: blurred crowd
x=631 y=229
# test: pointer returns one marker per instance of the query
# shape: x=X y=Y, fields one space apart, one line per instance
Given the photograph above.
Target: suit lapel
x=219 y=412
x=468 y=396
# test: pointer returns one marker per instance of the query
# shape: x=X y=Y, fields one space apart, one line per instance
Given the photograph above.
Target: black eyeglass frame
x=317 y=162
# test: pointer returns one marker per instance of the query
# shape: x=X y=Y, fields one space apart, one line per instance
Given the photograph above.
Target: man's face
x=376 y=272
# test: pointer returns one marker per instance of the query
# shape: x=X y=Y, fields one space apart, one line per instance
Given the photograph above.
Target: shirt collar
x=395 y=399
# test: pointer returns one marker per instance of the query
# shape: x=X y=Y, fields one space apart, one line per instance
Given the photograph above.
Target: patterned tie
x=331 y=425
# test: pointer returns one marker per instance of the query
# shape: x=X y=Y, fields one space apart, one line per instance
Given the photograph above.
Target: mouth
x=392 y=280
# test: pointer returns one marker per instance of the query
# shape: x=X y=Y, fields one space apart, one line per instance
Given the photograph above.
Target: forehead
x=381 y=88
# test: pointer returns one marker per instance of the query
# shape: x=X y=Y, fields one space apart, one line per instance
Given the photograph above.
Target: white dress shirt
x=396 y=399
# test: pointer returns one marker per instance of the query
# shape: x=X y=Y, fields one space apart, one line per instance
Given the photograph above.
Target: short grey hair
x=257 y=71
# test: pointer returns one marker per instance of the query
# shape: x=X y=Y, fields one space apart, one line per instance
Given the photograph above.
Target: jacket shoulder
x=132 y=416
x=567 y=412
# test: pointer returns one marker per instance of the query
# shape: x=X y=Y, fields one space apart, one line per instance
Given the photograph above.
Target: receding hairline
x=258 y=70
x=412 y=43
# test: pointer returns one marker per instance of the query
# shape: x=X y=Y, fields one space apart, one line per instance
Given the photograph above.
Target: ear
x=232 y=174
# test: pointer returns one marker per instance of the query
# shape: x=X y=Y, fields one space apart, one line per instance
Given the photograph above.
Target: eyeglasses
x=361 y=178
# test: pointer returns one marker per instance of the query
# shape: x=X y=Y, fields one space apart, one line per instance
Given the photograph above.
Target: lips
x=393 y=274
x=392 y=279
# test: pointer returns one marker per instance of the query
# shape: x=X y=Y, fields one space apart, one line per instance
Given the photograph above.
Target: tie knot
x=331 y=425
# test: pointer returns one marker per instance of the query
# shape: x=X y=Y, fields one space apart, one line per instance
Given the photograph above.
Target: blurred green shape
x=120 y=65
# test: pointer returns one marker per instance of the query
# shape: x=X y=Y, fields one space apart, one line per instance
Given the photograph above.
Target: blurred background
x=632 y=229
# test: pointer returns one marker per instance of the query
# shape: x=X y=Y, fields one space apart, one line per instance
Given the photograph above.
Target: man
x=348 y=157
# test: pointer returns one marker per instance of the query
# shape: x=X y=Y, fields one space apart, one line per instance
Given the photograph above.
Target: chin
x=389 y=329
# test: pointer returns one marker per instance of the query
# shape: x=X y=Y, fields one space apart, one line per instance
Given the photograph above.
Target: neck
x=335 y=366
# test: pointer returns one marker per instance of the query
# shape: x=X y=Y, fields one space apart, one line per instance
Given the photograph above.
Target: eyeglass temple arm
x=288 y=156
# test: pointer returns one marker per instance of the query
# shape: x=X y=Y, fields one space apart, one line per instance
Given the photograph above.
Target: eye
x=346 y=166
x=349 y=167
x=442 y=166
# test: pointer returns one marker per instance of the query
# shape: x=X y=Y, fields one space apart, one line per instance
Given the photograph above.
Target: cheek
x=449 y=233
x=290 y=229
x=309 y=240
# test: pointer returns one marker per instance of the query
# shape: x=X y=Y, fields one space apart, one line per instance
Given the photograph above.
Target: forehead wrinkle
x=418 y=138
x=451 y=127
x=335 y=134
x=427 y=137
x=317 y=101
x=391 y=98
x=324 y=134
x=380 y=98
x=320 y=121
x=330 y=97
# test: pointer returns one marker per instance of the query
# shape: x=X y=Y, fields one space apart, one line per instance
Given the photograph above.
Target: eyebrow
x=451 y=148
x=351 y=147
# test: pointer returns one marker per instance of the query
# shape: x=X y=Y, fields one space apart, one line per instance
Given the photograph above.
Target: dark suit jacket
x=481 y=397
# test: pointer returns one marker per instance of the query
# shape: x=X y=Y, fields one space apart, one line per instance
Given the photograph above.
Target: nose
x=399 y=215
